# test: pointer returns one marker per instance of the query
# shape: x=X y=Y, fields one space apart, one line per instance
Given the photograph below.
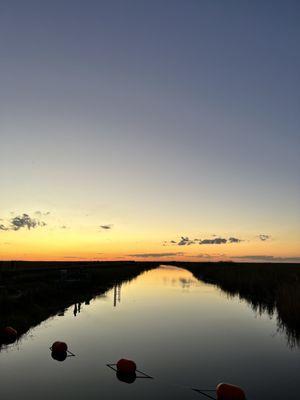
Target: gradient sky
x=158 y=118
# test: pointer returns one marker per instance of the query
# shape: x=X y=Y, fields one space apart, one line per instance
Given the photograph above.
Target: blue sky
x=162 y=118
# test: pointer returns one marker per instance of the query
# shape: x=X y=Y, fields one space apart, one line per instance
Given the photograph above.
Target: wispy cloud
x=41 y=213
x=264 y=237
x=262 y=257
x=156 y=255
x=106 y=226
x=187 y=241
x=74 y=257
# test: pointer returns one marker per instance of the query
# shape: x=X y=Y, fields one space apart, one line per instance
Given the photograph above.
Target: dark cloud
x=268 y=258
x=155 y=255
x=3 y=228
x=234 y=240
x=185 y=241
x=64 y=227
x=25 y=221
x=216 y=240
x=264 y=237
x=107 y=227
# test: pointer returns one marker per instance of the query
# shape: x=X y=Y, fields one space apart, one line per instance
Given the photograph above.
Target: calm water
x=181 y=331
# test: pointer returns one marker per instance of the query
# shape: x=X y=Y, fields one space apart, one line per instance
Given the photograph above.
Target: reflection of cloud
x=108 y=226
x=264 y=237
x=42 y=214
x=155 y=255
x=186 y=283
x=268 y=258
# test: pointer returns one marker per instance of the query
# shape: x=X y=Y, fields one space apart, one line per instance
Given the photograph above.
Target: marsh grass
x=271 y=288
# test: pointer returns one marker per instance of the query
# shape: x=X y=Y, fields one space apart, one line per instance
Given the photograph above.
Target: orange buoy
x=59 y=347
x=9 y=335
x=226 y=391
x=126 y=366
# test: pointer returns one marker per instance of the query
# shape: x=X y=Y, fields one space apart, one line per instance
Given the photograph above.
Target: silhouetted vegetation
x=32 y=292
x=272 y=288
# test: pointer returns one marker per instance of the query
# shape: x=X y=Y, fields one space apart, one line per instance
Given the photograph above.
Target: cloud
x=3 y=228
x=264 y=237
x=25 y=221
x=185 y=241
x=75 y=257
x=268 y=258
x=202 y=256
x=64 y=227
x=234 y=240
x=108 y=226
x=217 y=240
x=42 y=214
x=209 y=256
x=155 y=255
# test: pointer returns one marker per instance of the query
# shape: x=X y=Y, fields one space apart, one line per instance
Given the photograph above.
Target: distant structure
x=117 y=294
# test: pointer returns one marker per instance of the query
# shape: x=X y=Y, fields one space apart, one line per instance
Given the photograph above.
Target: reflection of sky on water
x=196 y=340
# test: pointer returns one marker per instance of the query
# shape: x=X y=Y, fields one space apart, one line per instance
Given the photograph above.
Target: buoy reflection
x=127 y=378
x=59 y=356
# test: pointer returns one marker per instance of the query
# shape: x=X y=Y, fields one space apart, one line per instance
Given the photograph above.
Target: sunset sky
x=162 y=129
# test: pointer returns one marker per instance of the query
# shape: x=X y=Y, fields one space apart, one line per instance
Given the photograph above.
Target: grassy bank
x=272 y=288
x=32 y=292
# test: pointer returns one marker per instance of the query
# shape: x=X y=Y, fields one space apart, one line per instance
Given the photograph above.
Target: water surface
x=181 y=331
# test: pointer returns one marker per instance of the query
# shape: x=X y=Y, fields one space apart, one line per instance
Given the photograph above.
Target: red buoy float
x=226 y=391
x=126 y=366
x=59 y=347
x=8 y=335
